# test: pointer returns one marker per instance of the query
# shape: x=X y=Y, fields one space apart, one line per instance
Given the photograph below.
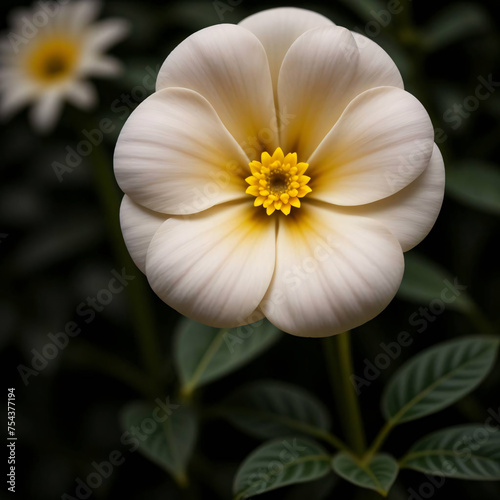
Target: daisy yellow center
x=53 y=60
x=278 y=181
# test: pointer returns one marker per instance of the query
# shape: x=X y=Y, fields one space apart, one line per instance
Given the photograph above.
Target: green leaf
x=165 y=435
x=453 y=24
x=378 y=475
x=476 y=184
x=466 y=452
x=424 y=282
x=438 y=377
x=204 y=354
x=279 y=463
x=268 y=408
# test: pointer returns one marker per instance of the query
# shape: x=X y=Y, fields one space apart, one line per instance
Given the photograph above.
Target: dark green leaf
x=268 y=408
x=476 y=184
x=453 y=24
x=378 y=475
x=166 y=435
x=466 y=452
x=424 y=281
x=204 y=354
x=279 y=463
x=438 y=377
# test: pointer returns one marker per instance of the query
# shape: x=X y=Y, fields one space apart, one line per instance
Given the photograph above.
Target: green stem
x=378 y=441
x=140 y=308
x=339 y=361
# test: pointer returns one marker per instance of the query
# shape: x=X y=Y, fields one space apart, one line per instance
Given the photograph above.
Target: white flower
x=198 y=157
x=48 y=53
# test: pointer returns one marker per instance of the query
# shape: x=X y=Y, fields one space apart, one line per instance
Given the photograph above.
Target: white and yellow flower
x=279 y=170
x=49 y=52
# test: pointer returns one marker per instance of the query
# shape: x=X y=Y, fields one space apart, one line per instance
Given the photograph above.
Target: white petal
x=104 y=34
x=382 y=142
x=410 y=213
x=278 y=28
x=375 y=67
x=10 y=76
x=16 y=17
x=77 y=15
x=322 y=72
x=47 y=111
x=174 y=155
x=9 y=47
x=314 y=86
x=14 y=97
x=228 y=66
x=138 y=227
x=216 y=266
x=103 y=66
x=82 y=95
x=333 y=272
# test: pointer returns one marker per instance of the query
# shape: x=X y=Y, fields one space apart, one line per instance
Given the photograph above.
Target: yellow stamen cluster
x=54 y=59
x=278 y=181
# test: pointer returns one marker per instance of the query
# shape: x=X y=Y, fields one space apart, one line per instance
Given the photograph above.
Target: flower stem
x=339 y=362
x=140 y=308
x=378 y=441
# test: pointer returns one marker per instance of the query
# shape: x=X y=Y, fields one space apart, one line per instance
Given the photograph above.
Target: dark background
x=60 y=243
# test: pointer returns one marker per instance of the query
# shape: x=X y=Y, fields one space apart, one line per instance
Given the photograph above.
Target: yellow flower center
x=278 y=181
x=53 y=60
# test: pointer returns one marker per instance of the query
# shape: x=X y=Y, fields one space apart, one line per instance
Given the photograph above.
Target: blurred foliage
x=60 y=244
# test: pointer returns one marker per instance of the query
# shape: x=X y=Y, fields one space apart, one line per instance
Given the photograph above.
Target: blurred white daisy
x=49 y=52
